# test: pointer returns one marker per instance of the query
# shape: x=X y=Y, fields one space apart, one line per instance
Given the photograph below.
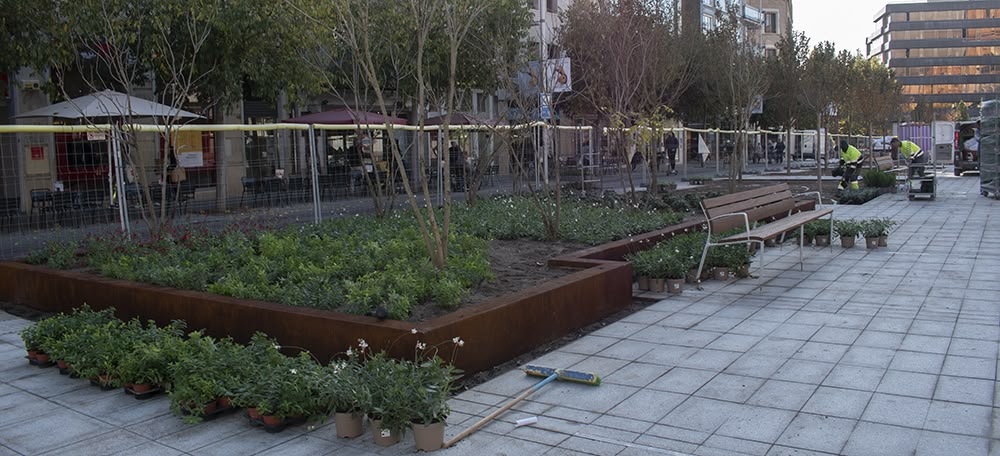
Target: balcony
x=753 y=15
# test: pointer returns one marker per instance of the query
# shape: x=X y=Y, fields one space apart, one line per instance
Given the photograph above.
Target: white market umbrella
x=109 y=103
x=703 y=148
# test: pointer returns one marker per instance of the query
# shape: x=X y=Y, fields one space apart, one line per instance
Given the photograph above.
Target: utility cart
x=921 y=182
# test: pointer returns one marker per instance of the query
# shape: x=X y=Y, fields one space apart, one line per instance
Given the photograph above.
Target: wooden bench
x=774 y=204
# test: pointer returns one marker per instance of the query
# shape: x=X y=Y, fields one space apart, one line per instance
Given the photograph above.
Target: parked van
x=966 y=146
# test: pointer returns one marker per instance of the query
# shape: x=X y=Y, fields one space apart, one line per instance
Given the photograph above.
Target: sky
x=846 y=23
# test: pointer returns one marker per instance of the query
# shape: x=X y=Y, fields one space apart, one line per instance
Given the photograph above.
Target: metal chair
x=41 y=201
x=9 y=210
x=250 y=186
x=67 y=205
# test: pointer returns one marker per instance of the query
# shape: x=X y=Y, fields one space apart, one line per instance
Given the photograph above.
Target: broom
x=549 y=374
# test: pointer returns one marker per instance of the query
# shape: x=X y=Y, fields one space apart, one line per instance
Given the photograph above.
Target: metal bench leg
x=802 y=238
x=701 y=264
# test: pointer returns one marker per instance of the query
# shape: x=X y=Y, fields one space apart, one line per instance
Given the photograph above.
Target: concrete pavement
x=890 y=351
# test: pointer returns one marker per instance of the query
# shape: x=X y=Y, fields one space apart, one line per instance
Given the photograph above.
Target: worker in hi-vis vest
x=850 y=163
x=912 y=154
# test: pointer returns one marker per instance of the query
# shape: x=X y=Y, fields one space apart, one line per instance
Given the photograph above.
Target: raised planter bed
x=540 y=314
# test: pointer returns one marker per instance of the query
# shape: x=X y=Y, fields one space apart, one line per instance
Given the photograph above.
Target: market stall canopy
x=346 y=116
x=463 y=118
x=109 y=103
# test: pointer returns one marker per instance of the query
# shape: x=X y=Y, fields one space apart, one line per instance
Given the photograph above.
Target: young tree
x=740 y=78
x=783 y=106
x=822 y=85
x=873 y=96
x=629 y=62
x=429 y=61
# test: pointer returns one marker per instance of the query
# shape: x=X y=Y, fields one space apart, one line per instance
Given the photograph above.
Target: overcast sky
x=846 y=23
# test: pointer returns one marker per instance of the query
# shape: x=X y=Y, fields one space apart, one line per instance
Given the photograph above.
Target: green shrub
x=860 y=196
x=875 y=178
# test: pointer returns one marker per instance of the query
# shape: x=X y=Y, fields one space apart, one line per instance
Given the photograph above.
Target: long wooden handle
x=499 y=411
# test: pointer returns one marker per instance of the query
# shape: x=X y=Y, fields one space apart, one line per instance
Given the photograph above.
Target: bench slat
x=760 y=202
x=776 y=228
x=711 y=203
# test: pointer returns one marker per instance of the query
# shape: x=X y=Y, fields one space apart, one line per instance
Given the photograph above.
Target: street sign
x=544 y=106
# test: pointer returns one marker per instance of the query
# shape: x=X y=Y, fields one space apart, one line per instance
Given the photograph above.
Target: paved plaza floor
x=891 y=351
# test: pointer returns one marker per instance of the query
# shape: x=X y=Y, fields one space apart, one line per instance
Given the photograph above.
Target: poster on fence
x=36 y=160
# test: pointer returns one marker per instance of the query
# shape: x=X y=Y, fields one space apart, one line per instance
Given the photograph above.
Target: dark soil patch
x=517 y=265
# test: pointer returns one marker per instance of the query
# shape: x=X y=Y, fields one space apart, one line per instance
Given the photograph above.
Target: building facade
x=776 y=20
x=942 y=52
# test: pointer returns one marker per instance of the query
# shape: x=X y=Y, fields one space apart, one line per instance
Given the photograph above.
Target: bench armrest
x=819 y=198
x=746 y=221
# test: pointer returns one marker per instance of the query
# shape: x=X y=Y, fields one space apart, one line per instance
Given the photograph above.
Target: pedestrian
x=850 y=163
x=779 y=150
x=672 y=144
x=456 y=167
x=911 y=152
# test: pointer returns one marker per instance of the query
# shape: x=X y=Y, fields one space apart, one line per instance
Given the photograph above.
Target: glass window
x=955 y=52
x=926 y=34
x=707 y=22
x=977 y=34
x=770 y=22
x=939 y=15
x=770 y=52
x=949 y=89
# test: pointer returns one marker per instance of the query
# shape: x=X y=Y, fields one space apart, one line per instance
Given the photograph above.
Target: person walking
x=672 y=144
x=850 y=163
x=911 y=152
x=456 y=167
x=779 y=150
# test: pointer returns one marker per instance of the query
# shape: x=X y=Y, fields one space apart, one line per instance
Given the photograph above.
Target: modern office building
x=942 y=52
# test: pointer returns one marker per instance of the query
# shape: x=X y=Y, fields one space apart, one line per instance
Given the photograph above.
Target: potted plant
x=245 y=369
x=820 y=230
x=884 y=226
x=871 y=229
x=31 y=337
x=289 y=391
x=145 y=369
x=848 y=231
x=59 y=327
x=642 y=268
x=659 y=261
x=387 y=407
x=198 y=379
x=738 y=260
x=347 y=394
x=96 y=351
x=430 y=384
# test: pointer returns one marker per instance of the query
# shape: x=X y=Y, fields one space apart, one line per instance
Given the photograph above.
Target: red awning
x=345 y=116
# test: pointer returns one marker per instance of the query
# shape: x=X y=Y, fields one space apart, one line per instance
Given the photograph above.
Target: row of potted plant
x=674 y=261
x=874 y=230
x=205 y=376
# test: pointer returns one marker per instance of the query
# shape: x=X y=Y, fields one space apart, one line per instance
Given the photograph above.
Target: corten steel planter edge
x=541 y=314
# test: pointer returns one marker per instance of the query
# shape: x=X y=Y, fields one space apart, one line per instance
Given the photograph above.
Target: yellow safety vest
x=909 y=149
x=850 y=156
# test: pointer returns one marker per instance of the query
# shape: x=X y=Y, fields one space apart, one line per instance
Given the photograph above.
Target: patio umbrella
x=346 y=116
x=109 y=103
